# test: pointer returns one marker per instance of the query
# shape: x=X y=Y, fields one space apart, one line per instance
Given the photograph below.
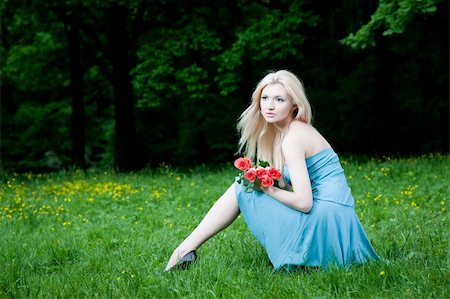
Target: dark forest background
x=136 y=83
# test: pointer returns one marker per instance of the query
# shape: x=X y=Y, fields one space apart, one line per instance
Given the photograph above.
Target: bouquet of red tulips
x=256 y=176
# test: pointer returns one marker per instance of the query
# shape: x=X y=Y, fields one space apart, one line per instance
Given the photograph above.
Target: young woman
x=309 y=220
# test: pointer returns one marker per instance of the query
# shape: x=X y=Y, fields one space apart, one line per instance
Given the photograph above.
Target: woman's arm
x=300 y=198
x=221 y=214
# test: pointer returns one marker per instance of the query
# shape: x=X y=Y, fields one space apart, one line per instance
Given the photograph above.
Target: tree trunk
x=76 y=87
x=126 y=153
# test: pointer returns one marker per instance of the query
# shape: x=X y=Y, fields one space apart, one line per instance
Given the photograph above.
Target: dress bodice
x=327 y=178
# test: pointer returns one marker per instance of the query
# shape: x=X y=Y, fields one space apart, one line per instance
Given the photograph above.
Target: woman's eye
x=280 y=100
x=263 y=98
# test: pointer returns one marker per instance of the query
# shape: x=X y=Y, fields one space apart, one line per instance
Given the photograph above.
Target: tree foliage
x=391 y=17
x=165 y=81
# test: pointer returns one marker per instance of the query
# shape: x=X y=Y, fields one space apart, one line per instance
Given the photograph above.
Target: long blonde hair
x=260 y=140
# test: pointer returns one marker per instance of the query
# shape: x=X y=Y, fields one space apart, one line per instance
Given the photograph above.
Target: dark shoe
x=187 y=260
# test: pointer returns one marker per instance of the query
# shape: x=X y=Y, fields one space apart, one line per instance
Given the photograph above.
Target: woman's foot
x=187 y=260
x=182 y=261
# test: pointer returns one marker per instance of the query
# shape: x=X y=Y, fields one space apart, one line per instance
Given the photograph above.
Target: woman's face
x=276 y=107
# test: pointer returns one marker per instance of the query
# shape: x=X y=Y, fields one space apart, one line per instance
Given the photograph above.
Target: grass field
x=102 y=234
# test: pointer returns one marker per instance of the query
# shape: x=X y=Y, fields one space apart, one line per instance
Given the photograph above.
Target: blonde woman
x=309 y=219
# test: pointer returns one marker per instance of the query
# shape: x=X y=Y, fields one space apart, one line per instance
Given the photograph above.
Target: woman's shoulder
x=305 y=136
x=299 y=129
x=300 y=124
x=298 y=132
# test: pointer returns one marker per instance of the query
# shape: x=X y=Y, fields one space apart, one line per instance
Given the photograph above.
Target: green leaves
x=193 y=70
x=165 y=64
x=264 y=164
x=392 y=17
x=37 y=136
x=276 y=37
x=34 y=66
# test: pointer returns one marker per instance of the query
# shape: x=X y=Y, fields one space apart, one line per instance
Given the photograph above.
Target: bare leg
x=221 y=214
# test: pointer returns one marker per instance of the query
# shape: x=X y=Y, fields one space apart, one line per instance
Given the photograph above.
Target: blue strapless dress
x=330 y=234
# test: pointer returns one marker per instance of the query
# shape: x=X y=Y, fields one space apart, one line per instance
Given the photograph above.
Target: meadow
x=76 y=234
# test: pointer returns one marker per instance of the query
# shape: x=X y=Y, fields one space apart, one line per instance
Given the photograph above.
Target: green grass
x=103 y=234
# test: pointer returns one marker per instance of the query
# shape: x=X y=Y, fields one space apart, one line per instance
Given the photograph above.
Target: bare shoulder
x=297 y=135
x=299 y=130
x=298 y=125
x=305 y=138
